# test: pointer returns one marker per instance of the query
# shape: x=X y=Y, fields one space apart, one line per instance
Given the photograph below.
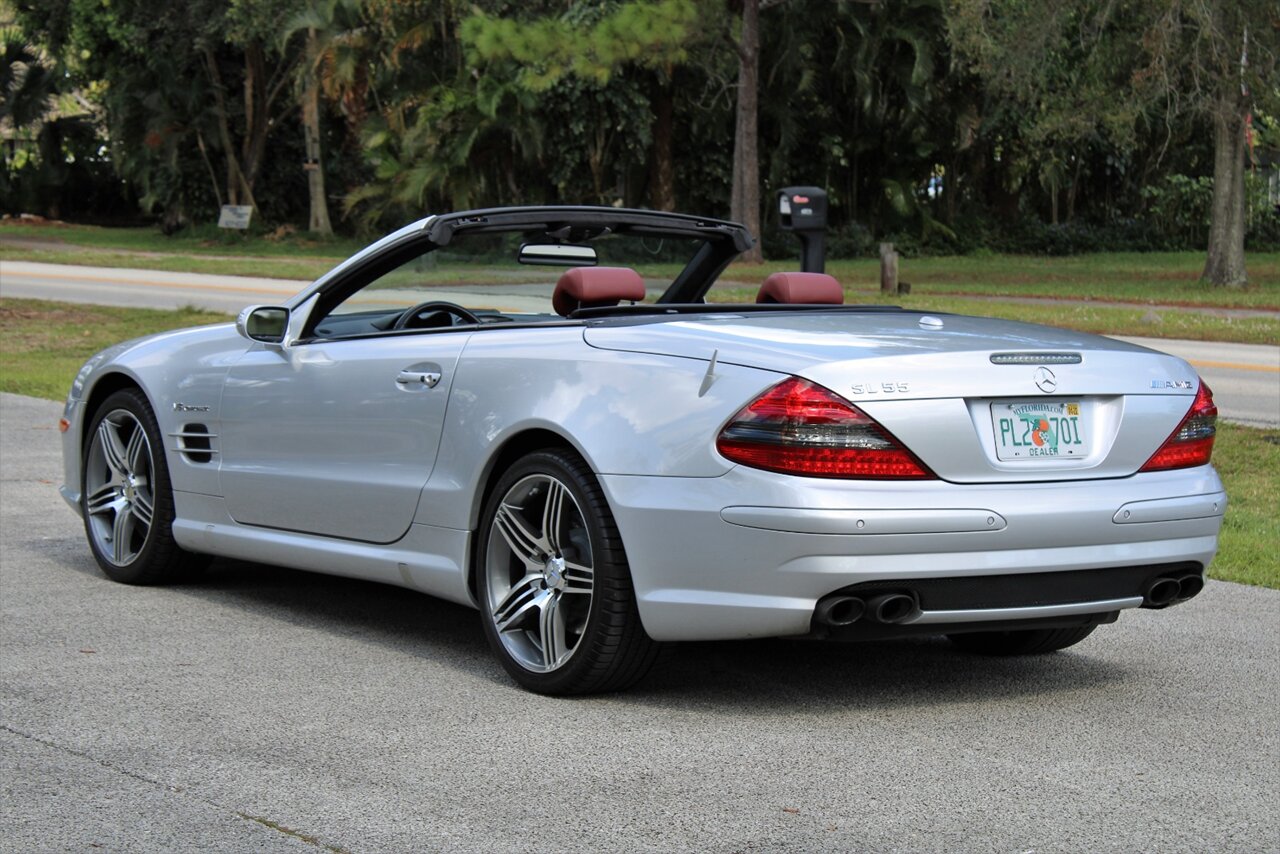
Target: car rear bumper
x=750 y=554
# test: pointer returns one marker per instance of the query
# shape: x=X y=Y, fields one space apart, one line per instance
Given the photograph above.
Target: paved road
x=161 y=289
x=270 y=710
x=1245 y=378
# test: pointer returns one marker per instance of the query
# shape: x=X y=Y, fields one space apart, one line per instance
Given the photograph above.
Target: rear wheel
x=1024 y=642
x=553 y=581
x=126 y=498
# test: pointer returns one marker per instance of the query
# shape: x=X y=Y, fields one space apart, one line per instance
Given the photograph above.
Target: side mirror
x=265 y=323
x=557 y=255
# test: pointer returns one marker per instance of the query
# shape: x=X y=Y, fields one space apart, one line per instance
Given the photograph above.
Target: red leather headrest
x=592 y=287
x=801 y=288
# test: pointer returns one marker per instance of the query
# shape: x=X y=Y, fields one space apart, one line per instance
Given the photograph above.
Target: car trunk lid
x=977 y=400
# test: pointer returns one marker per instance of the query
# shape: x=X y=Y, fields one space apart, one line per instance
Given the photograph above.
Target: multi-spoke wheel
x=128 y=505
x=554 y=583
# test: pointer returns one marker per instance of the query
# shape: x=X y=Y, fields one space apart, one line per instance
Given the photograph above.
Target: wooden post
x=888 y=269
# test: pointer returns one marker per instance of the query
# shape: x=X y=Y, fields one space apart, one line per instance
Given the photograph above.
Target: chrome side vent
x=195 y=443
x=1036 y=358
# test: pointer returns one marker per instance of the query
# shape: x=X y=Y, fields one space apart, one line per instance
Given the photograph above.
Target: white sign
x=235 y=216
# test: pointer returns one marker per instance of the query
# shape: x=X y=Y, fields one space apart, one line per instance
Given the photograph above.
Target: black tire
x=132 y=545
x=528 y=579
x=1024 y=642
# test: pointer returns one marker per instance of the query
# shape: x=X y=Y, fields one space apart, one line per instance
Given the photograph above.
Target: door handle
x=426 y=378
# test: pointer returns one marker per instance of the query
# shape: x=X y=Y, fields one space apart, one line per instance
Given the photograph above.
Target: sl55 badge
x=1184 y=384
x=880 y=388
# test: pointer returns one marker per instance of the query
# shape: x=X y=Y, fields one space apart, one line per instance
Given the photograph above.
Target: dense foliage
x=1030 y=126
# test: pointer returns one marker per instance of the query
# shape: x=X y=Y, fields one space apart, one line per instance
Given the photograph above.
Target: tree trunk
x=662 y=179
x=256 y=113
x=318 y=222
x=745 y=198
x=735 y=170
x=49 y=144
x=951 y=191
x=1073 y=190
x=595 y=162
x=1225 y=262
x=213 y=173
x=238 y=190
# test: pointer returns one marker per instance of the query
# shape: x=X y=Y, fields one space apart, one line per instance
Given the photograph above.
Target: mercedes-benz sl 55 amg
x=602 y=461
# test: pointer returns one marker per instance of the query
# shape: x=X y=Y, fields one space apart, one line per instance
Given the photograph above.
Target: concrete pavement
x=267 y=709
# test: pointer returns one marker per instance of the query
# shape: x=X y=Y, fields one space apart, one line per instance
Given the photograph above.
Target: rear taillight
x=801 y=428
x=1192 y=443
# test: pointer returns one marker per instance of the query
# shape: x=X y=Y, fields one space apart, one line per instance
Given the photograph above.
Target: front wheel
x=126 y=499
x=1022 y=642
x=553 y=581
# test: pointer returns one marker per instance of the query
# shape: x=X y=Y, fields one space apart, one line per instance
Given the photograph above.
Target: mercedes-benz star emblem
x=1045 y=380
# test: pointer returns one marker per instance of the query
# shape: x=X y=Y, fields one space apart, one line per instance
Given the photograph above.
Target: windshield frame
x=722 y=241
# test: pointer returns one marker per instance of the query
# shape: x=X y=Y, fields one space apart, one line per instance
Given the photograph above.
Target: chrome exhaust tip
x=839 y=610
x=1161 y=592
x=891 y=608
x=1189 y=586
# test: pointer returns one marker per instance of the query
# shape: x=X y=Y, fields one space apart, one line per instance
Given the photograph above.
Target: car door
x=336 y=437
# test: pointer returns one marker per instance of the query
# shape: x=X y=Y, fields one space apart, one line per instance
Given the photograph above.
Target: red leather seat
x=594 y=287
x=801 y=289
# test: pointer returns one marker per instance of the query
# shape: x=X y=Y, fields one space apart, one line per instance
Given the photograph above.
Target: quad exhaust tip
x=891 y=607
x=1163 y=591
x=844 y=610
x=840 y=610
x=1190 y=585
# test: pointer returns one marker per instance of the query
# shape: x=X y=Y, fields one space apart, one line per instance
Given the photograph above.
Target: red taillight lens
x=801 y=428
x=1192 y=443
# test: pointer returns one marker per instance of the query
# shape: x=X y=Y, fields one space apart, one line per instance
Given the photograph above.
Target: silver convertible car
x=603 y=462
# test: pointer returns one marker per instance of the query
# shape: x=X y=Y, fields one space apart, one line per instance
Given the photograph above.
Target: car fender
x=624 y=413
x=181 y=373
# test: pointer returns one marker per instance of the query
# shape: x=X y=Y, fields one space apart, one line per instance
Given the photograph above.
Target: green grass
x=302 y=269
x=44 y=344
x=1113 y=320
x=1099 y=318
x=1169 y=278
x=206 y=240
x=1096 y=316
x=1249 y=462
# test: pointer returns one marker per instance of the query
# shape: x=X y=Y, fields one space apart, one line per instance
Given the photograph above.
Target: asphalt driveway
x=266 y=709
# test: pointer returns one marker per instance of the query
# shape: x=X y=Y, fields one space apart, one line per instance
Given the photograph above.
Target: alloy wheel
x=119 y=501
x=540 y=573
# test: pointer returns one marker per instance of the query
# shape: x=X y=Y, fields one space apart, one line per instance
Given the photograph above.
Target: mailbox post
x=804 y=211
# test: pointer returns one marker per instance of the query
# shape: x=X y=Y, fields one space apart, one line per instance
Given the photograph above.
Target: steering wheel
x=419 y=312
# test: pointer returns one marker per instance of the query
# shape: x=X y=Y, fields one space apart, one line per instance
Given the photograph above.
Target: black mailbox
x=804 y=211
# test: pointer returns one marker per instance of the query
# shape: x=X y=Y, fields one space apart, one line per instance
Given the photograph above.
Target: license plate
x=1035 y=430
